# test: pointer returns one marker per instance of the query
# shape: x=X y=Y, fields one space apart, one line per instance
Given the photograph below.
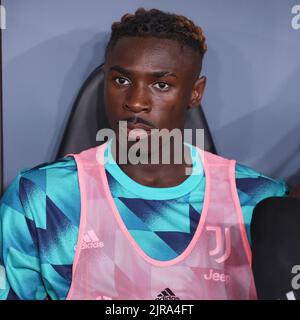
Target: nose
x=137 y=99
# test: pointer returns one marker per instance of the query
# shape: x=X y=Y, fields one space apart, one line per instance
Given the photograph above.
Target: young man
x=78 y=229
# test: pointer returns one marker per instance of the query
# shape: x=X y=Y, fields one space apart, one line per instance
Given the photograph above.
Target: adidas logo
x=167 y=294
x=90 y=241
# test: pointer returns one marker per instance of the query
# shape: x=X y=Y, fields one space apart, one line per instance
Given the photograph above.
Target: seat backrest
x=88 y=116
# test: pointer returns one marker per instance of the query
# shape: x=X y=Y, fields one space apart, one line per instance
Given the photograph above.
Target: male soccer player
x=83 y=228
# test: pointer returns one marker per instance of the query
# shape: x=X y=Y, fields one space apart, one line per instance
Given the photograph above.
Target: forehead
x=142 y=54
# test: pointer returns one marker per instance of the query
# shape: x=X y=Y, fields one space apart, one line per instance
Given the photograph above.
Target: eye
x=162 y=86
x=121 y=81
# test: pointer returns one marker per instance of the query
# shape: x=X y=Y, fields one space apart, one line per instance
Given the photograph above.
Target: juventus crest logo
x=223 y=243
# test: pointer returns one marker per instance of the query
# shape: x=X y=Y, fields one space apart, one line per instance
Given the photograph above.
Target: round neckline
x=155 y=193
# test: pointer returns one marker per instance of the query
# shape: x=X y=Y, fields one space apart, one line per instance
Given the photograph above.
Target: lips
x=139 y=126
x=135 y=128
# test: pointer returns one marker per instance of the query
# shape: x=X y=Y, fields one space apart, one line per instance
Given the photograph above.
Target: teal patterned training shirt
x=40 y=213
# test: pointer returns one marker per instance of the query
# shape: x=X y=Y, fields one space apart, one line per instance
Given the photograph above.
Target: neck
x=157 y=174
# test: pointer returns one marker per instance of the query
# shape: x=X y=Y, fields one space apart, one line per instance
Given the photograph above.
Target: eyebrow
x=157 y=74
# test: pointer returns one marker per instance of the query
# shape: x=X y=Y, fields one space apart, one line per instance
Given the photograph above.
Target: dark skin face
x=155 y=81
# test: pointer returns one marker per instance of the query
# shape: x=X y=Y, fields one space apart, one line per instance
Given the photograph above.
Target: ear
x=197 y=92
x=103 y=67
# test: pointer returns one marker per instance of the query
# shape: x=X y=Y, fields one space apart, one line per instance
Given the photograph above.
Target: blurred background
x=252 y=99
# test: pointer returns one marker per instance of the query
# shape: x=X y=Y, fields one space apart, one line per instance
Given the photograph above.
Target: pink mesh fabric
x=109 y=264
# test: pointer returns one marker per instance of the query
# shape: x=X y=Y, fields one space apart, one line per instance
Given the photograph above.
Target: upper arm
x=20 y=276
x=254 y=187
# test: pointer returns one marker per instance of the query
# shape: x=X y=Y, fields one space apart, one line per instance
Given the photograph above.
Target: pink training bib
x=109 y=264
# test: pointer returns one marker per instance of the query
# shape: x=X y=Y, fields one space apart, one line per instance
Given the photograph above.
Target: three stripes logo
x=91 y=241
x=167 y=294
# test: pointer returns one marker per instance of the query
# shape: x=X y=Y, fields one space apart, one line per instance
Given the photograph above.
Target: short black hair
x=158 y=24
